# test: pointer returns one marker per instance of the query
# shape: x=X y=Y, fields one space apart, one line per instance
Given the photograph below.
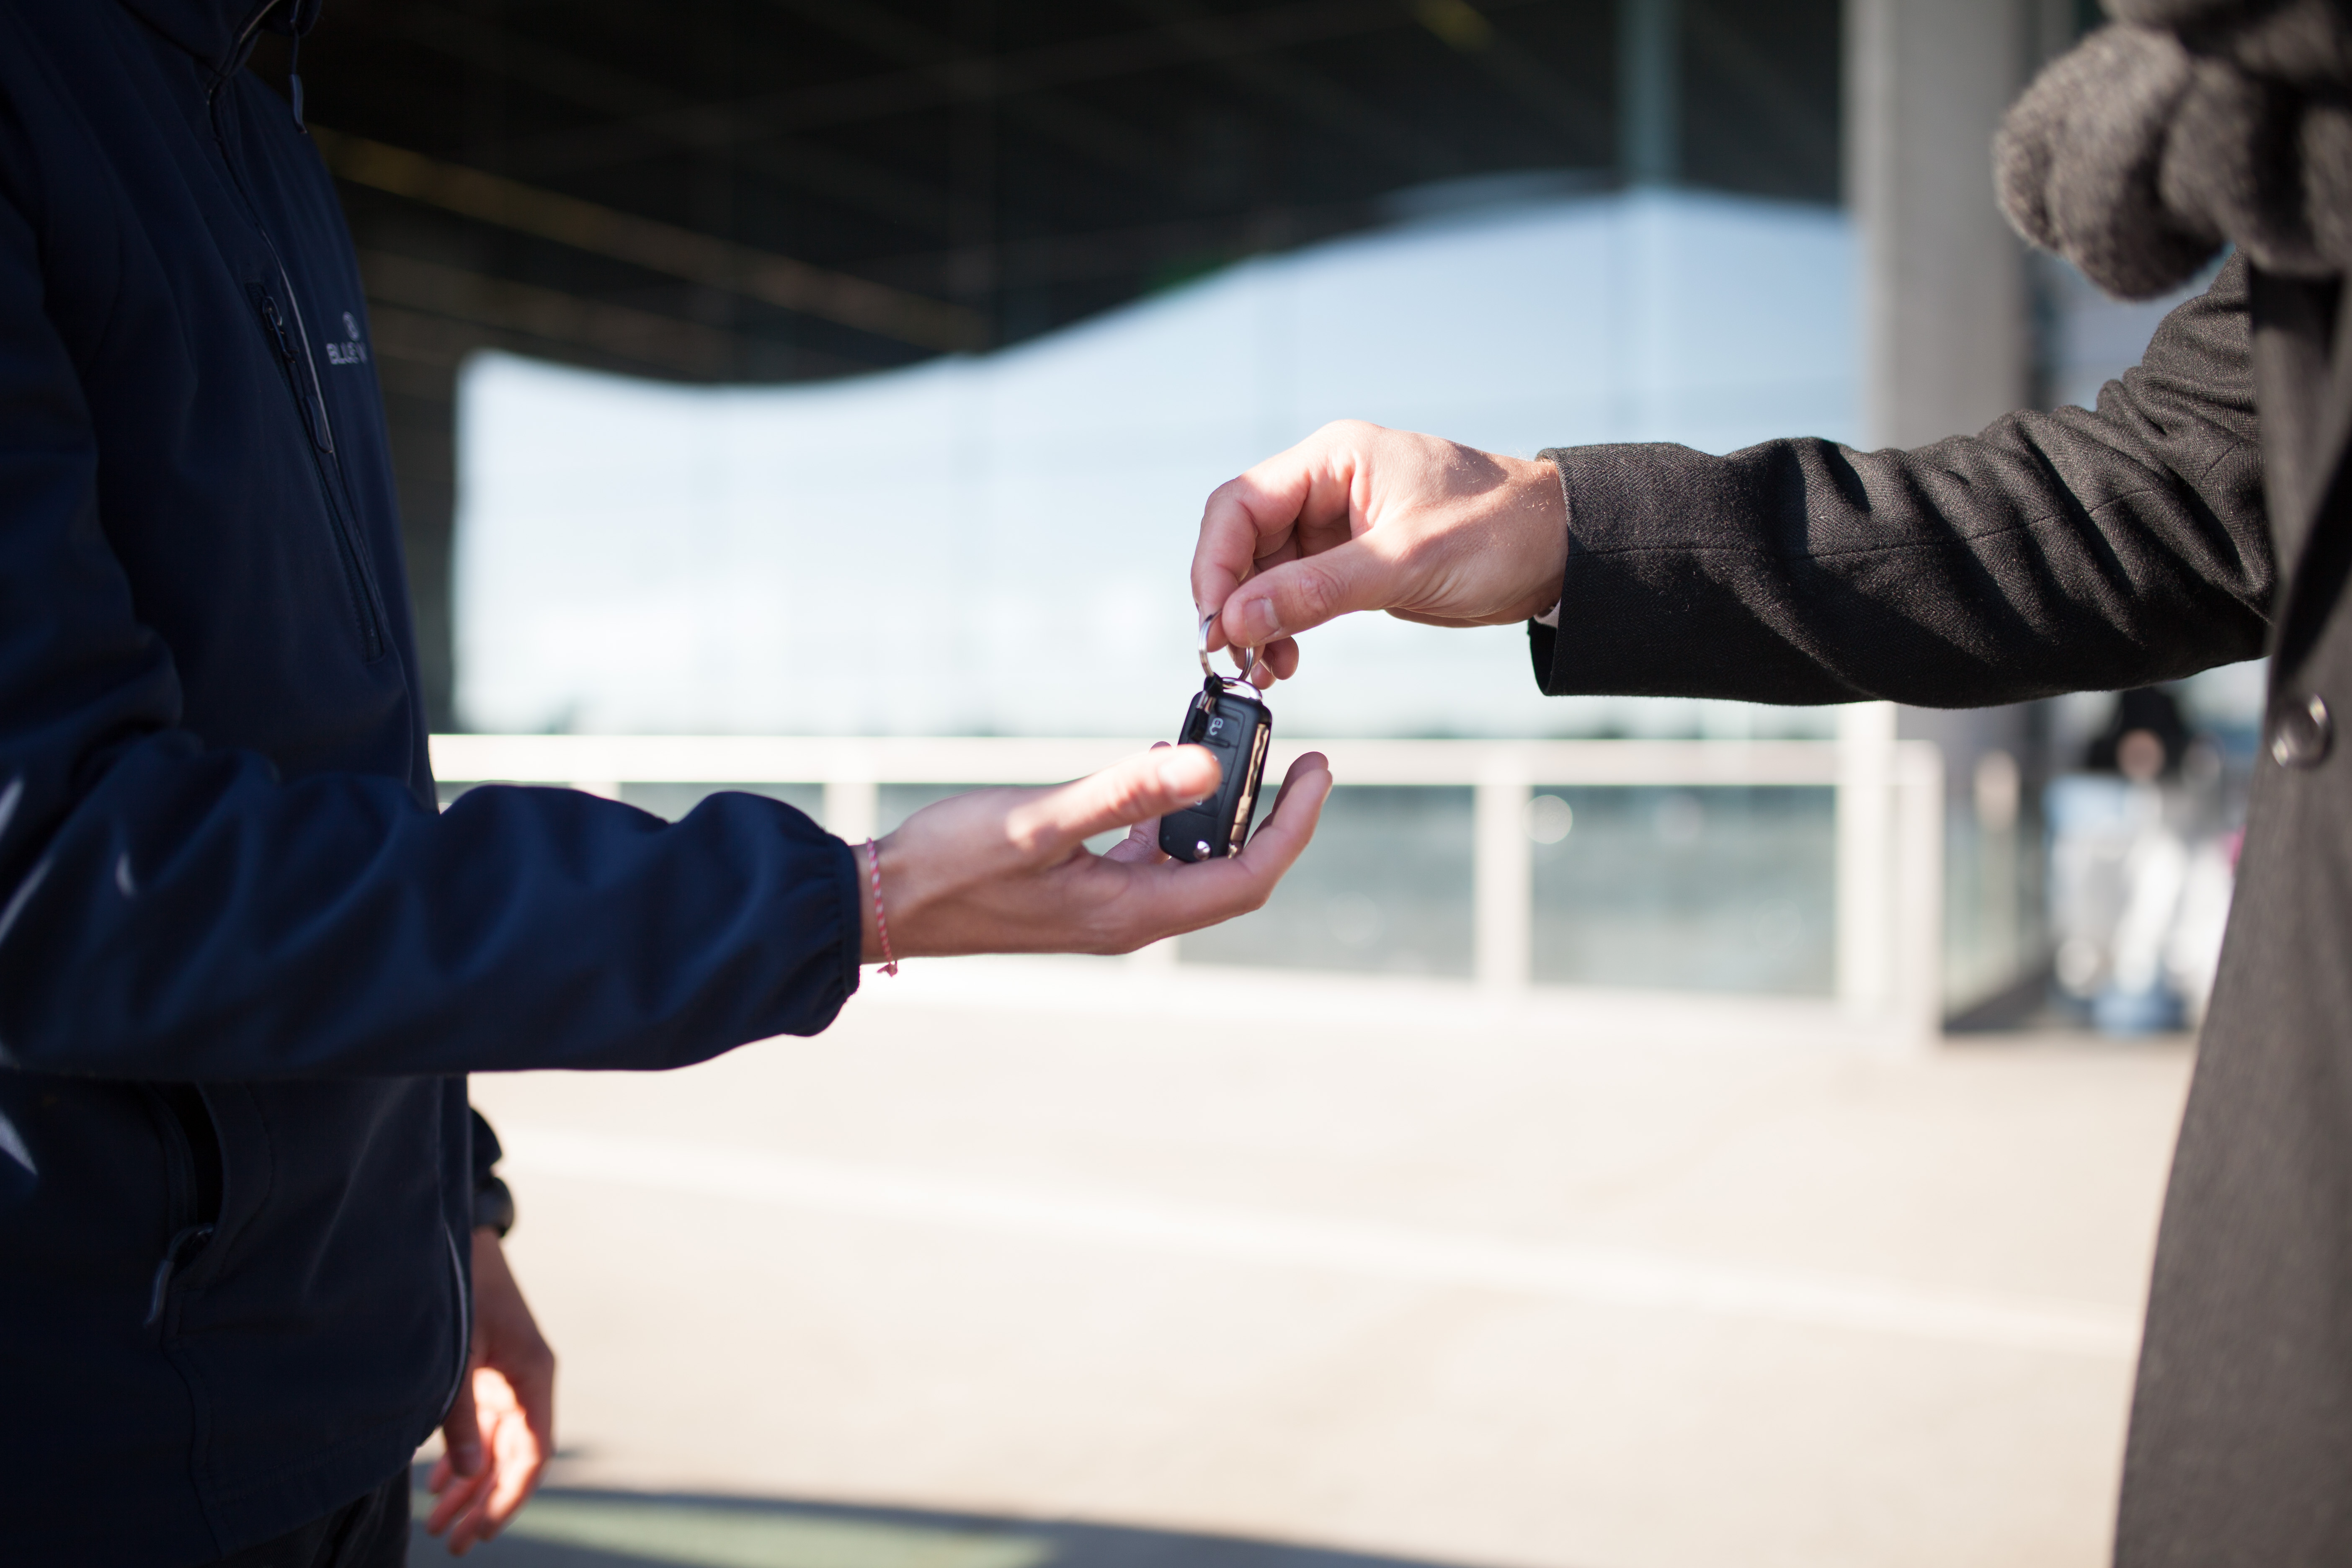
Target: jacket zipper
x=292 y=342
x=187 y=1242
x=303 y=379
x=235 y=57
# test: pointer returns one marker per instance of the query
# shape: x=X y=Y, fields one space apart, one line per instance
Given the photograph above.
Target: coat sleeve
x=174 y=909
x=2062 y=551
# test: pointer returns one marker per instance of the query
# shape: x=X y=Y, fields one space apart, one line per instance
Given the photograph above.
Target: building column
x=420 y=406
x=1947 y=335
x=1648 y=92
x=1947 y=313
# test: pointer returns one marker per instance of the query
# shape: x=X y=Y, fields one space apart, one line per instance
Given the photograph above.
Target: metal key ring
x=1248 y=668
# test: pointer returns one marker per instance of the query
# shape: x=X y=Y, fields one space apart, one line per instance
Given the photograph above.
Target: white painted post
x=1865 y=871
x=1919 y=891
x=1154 y=957
x=853 y=808
x=1503 y=875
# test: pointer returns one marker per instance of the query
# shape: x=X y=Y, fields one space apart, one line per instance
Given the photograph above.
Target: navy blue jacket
x=230 y=911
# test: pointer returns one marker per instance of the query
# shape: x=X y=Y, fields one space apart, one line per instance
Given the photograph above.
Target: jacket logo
x=352 y=350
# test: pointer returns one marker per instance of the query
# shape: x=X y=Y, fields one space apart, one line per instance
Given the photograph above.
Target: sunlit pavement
x=1084 y=1265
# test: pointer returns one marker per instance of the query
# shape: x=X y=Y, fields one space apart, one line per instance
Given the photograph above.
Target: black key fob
x=1227 y=717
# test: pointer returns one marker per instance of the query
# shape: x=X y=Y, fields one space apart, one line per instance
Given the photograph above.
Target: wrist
x=869 y=907
x=889 y=900
x=1538 y=510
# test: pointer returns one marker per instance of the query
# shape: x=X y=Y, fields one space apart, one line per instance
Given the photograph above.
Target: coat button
x=2300 y=732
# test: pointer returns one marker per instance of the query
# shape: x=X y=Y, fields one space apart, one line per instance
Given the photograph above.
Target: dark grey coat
x=2069 y=552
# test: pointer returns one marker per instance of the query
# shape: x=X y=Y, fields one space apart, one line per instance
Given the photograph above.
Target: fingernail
x=1257 y=622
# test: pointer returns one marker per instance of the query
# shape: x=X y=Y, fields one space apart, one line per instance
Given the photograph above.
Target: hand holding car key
x=1009 y=870
x=1231 y=719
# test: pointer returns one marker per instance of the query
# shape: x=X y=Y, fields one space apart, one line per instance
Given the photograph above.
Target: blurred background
x=1639 y=1132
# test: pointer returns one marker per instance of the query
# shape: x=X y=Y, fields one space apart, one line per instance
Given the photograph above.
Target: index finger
x=1142 y=841
x=522 y=1459
x=1132 y=790
x=1247 y=521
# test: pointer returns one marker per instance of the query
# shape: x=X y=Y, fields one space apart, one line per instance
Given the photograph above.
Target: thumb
x=461 y=1430
x=1283 y=601
x=1161 y=779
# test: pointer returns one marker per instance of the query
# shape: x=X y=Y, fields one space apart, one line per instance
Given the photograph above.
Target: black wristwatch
x=494 y=1207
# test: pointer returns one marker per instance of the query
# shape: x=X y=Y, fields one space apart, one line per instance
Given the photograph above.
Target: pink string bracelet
x=881 y=921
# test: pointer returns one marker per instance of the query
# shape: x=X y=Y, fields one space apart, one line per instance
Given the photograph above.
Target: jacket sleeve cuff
x=1543 y=630
x=849 y=890
x=493 y=1204
x=487 y=1152
x=1646 y=609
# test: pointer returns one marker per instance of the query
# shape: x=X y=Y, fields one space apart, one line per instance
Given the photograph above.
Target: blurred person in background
x=2142 y=867
x=2144 y=738
x=250 y=1229
x=2200 y=517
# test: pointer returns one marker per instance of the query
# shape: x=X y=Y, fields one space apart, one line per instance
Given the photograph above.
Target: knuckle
x=1029 y=829
x=1226 y=496
x=1315 y=591
x=1133 y=798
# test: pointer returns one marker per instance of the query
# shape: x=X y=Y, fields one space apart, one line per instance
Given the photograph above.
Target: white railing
x=1889 y=813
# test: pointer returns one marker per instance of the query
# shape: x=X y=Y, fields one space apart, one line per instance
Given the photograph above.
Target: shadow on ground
x=581 y=1528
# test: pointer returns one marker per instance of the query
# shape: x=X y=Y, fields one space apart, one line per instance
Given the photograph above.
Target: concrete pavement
x=1049 y=1268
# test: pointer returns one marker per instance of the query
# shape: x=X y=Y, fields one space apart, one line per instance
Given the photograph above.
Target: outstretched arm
x=174 y=907
x=2067 y=551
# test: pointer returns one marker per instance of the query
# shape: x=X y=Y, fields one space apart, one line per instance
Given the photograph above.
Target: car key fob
x=1229 y=718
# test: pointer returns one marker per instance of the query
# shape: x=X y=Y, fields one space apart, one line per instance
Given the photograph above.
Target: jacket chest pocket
x=193 y=1181
x=281 y=318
